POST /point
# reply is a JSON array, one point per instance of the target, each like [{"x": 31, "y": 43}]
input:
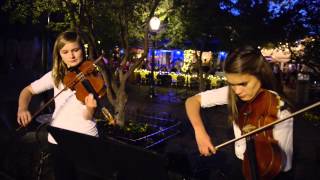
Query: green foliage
[
  {"x": 18, "y": 10},
  {"x": 312, "y": 51},
  {"x": 199, "y": 22},
  {"x": 203, "y": 22},
  {"x": 304, "y": 18},
  {"x": 131, "y": 130},
  {"x": 117, "y": 22},
  {"x": 309, "y": 55},
  {"x": 106, "y": 17},
  {"x": 136, "y": 127}
]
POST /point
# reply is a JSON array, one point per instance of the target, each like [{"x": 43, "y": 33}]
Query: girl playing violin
[
  {"x": 247, "y": 73},
  {"x": 69, "y": 112}
]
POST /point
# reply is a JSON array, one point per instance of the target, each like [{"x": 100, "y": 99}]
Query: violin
[
  {"x": 85, "y": 79},
  {"x": 76, "y": 79},
  {"x": 263, "y": 157},
  {"x": 264, "y": 128}
]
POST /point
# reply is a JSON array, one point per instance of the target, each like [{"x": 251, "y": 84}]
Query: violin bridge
[
  {"x": 279, "y": 102},
  {"x": 248, "y": 128}
]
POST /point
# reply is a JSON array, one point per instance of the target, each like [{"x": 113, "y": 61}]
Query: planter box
[{"x": 145, "y": 131}]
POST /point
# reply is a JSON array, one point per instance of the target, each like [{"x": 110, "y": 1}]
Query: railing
[
  {"x": 155, "y": 138},
  {"x": 157, "y": 128}
]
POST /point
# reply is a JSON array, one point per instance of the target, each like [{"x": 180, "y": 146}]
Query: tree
[
  {"x": 304, "y": 27},
  {"x": 224, "y": 25},
  {"x": 199, "y": 25},
  {"x": 115, "y": 22},
  {"x": 311, "y": 55},
  {"x": 234, "y": 23},
  {"x": 301, "y": 22},
  {"x": 132, "y": 18},
  {"x": 263, "y": 23},
  {"x": 308, "y": 55}
]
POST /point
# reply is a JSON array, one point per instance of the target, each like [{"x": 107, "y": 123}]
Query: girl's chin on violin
[
  {"x": 73, "y": 63},
  {"x": 245, "y": 97}
]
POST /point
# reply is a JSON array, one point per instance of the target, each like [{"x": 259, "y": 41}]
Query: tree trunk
[
  {"x": 121, "y": 101},
  {"x": 120, "y": 107},
  {"x": 202, "y": 82}
]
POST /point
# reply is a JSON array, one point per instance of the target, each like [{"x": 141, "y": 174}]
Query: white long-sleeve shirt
[
  {"x": 68, "y": 113},
  {"x": 282, "y": 132}
]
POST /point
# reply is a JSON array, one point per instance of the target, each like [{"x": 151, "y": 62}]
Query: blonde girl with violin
[
  {"x": 247, "y": 73},
  {"x": 69, "y": 113}
]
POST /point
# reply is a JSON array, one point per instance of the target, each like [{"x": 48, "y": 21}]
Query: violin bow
[
  {"x": 42, "y": 107},
  {"x": 268, "y": 125}
]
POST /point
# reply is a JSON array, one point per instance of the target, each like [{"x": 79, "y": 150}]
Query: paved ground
[{"x": 20, "y": 157}]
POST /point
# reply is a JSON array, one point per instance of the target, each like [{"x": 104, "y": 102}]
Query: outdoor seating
[
  {"x": 165, "y": 80},
  {"x": 194, "y": 83},
  {"x": 180, "y": 81}
]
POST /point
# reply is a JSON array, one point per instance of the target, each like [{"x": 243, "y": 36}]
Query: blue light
[
  {"x": 173, "y": 55},
  {"x": 222, "y": 55},
  {"x": 235, "y": 12}
]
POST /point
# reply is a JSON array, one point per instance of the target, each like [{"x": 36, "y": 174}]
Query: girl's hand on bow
[
  {"x": 205, "y": 146},
  {"x": 23, "y": 117}
]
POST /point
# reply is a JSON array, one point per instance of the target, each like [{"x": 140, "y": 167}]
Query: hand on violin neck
[
  {"x": 91, "y": 105},
  {"x": 248, "y": 128}
]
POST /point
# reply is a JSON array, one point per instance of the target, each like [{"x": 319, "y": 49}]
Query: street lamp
[{"x": 154, "y": 27}]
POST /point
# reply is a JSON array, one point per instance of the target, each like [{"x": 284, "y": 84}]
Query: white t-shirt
[
  {"x": 282, "y": 132},
  {"x": 68, "y": 113}
]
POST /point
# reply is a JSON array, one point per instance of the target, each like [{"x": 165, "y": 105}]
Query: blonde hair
[{"x": 59, "y": 68}]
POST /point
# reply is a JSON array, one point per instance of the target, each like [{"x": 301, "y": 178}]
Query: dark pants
[{"x": 236, "y": 172}]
